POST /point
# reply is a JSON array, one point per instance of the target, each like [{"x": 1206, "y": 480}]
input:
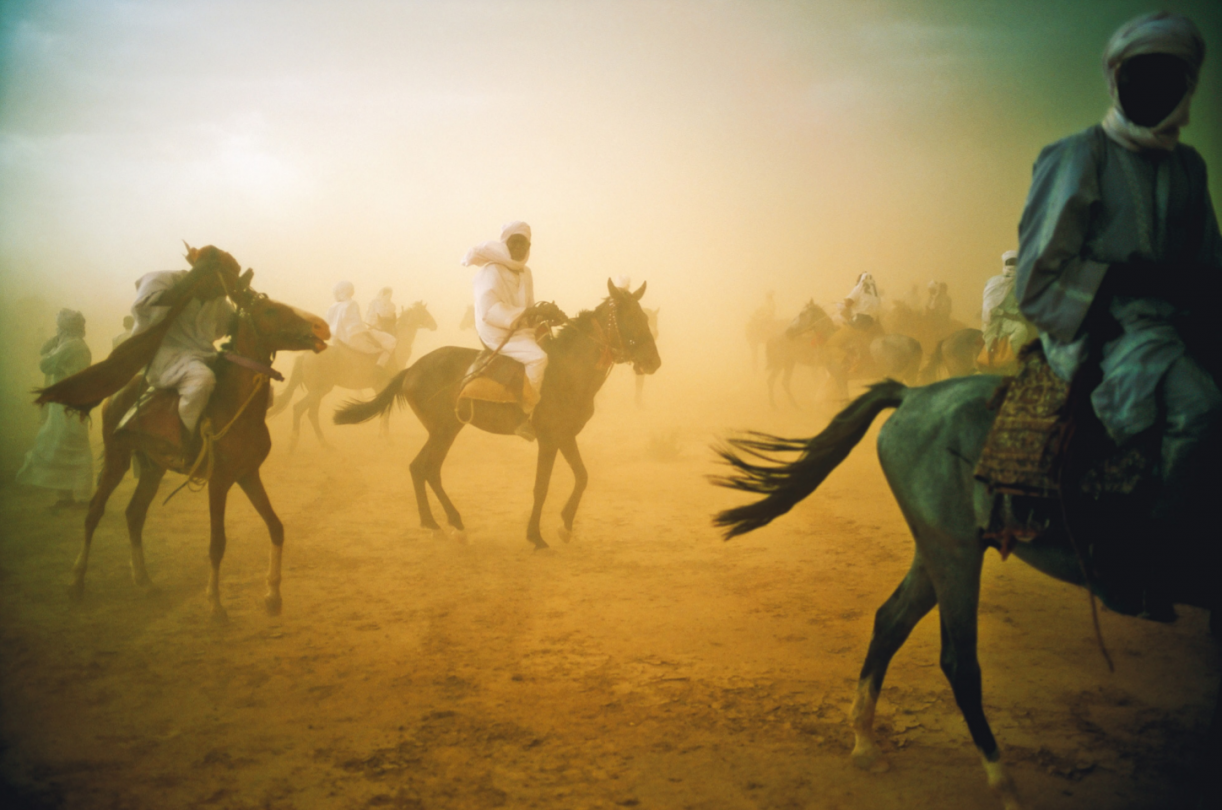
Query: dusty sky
[{"x": 715, "y": 149}]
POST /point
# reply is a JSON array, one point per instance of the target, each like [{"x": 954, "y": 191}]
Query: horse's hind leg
[
  {"x": 114, "y": 467},
  {"x": 958, "y": 601},
  {"x": 572, "y": 455},
  {"x": 314, "y": 404},
  {"x": 137, "y": 510},
  {"x": 252, "y": 485},
  {"x": 425, "y": 469},
  {"x": 893, "y": 622}
]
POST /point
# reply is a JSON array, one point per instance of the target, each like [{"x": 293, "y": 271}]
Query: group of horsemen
[{"x": 1118, "y": 228}]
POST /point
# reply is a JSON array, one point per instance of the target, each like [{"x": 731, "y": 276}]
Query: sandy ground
[{"x": 645, "y": 664}]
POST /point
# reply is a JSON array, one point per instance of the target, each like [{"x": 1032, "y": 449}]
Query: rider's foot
[{"x": 526, "y": 429}]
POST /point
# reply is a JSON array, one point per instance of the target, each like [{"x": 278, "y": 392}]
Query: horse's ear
[
  {"x": 246, "y": 278},
  {"x": 192, "y": 253},
  {"x": 615, "y": 292},
  {"x": 640, "y": 292}
]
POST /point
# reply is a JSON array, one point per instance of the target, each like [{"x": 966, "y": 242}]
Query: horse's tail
[
  {"x": 353, "y": 412},
  {"x": 929, "y": 374},
  {"x": 296, "y": 378},
  {"x": 786, "y": 484}
]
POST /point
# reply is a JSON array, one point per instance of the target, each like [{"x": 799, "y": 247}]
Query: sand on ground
[{"x": 645, "y": 664}]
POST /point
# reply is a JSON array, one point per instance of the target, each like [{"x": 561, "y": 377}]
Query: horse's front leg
[
  {"x": 252, "y": 485},
  {"x": 543, "y": 477},
  {"x": 580, "y": 478},
  {"x": 218, "y": 492},
  {"x": 137, "y": 510},
  {"x": 114, "y": 467}
]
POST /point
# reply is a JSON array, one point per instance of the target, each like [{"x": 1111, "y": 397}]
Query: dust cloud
[{"x": 717, "y": 151}]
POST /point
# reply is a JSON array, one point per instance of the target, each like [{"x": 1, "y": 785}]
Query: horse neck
[
  {"x": 236, "y": 384},
  {"x": 577, "y": 356}
]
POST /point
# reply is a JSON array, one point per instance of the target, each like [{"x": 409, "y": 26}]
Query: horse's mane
[{"x": 569, "y": 332}]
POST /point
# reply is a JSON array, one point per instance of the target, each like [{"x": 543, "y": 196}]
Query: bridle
[{"x": 615, "y": 348}]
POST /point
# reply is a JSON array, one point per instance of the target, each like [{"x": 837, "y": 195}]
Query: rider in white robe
[
  {"x": 504, "y": 289},
  {"x": 999, "y": 314},
  {"x": 61, "y": 458},
  {"x": 182, "y": 361},
  {"x": 380, "y": 314},
  {"x": 347, "y": 327}
]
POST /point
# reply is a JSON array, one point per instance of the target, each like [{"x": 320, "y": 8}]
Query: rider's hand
[{"x": 544, "y": 312}]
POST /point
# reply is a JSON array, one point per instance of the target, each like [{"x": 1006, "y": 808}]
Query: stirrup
[{"x": 526, "y": 429}]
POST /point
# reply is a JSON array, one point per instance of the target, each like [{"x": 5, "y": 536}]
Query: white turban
[
  {"x": 497, "y": 252},
  {"x": 343, "y": 291},
  {"x": 1009, "y": 259},
  {"x": 517, "y": 227},
  {"x": 623, "y": 282},
  {"x": 1160, "y": 32}
]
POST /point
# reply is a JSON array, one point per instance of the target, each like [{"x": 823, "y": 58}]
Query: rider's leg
[{"x": 194, "y": 389}]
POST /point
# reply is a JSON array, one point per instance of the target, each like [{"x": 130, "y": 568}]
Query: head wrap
[
  {"x": 498, "y": 252},
  {"x": 386, "y": 292},
  {"x": 1160, "y": 32},
  {"x": 70, "y": 322},
  {"x": 516, "y": 227},
  {"x": 1009, "y": 261},
  {"x": 343, "y": 291},
  {"x": 623, "y": 282}
]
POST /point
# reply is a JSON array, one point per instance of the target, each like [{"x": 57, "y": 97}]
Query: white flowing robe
[
  {"x": 501, "y": 295},
  {"x": 182, "y": 361},
  {"x": 61, "y": 458},
  {"x": 347, "y": 327}
]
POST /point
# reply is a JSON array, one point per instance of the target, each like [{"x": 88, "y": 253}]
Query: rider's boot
[{"x": 526, "y": 429}]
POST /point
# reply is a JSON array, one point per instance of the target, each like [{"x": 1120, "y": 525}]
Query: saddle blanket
[{"x": 500, "y": 379}]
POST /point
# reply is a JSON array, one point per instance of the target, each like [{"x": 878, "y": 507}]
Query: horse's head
[
  {"x": 811, "y": 317},
  {"x": 417, "y": 316},
  {"x": 635, "y": 337},
  {"x": 278, "y": 327}
]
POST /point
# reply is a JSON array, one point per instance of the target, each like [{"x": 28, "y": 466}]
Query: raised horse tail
[
  {"x": 296, "y": 378},
  {"x": 784, "y": 485},
  {"x": 353, "y": 412},
  {"x": 929, "y": 374}
]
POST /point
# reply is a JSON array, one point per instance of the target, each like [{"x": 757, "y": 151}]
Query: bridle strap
[{"x": 253, "y": 365}]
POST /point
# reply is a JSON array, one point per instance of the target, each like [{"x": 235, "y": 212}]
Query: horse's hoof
[
  {"x": 458, "y": 535},
  {"x": 564, "y": 534},
  {"x": 220, "y": 617},
  {"x": 870, "y": 759},
  {"x": 76, "y": 591},
  {"x": 438, "y": 533},
  {"x": 539, "y": 543},
  {"x": 273, "y": 604}
]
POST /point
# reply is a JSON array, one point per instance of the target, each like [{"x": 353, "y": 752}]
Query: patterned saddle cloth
[
  {"x": 500, "y": 379},
  {"x": 154, "y": 418},
  {"x": 1046, "y": 444}
]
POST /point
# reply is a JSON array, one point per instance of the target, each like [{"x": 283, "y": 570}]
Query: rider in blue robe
[{"x": 1117, "y": 235}]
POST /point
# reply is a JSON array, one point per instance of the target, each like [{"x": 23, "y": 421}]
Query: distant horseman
[{"x": 347, "y": 327}]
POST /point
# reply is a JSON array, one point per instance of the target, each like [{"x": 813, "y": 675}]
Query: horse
[
  {"x": 580, "y": 357},
  {"x": 345, "y": 367},
  {"x": 238, "y": 408},
  {"x": 886, "y": 354},
  {"x": 927, "y": 328},
  {"x": 928, "y": 450},
  {"x": 956, "y": 354}
]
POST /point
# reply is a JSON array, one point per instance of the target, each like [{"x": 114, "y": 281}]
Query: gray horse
[
  {"x": 928, "y": 450},
  {"x": 344, "y": 367}
]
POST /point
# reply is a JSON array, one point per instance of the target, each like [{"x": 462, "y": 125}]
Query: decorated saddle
[
  {"x": 492, "y": 378},
  {"x": 1047, "y": 456},
  {"x": 153, "y": 417}
]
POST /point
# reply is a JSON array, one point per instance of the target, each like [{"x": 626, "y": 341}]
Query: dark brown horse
[
  {"x": 236, "y": 415},
  {"x": 579, "y": 359}
]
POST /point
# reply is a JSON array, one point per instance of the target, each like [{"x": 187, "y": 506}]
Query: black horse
[{"x": 579, "y": 359}]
